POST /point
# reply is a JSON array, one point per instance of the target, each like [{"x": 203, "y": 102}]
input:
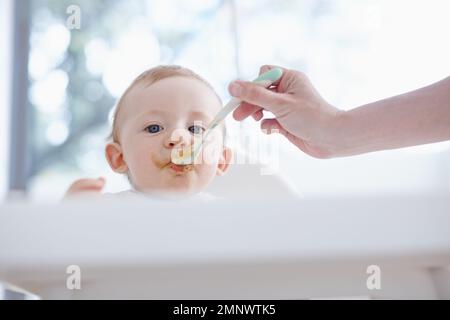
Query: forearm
[{"x": 417, "y": 117}]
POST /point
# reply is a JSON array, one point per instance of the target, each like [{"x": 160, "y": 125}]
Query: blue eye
[
  {"x": 154, "y": 128},
  {"x": 196, "y": 129}
]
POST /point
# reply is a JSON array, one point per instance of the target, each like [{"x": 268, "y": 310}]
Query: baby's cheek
[
  {"x": 211, "y": 153},
  {"x": 206, "y": 173},
  {"x": 141, "y": 164}
]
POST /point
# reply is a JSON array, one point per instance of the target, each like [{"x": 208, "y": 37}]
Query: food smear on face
[
  {"x": 185, "y": 156},
  {"x": 182, "y": 156},
  {"x": 179, "y": 169}
]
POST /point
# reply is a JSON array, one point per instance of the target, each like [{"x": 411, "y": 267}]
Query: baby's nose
[
  {"x": 173, "y": 144},
  {"x": 178, "y": 138}
]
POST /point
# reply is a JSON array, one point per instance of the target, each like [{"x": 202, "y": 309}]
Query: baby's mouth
[{"x": 180, "y": 168}]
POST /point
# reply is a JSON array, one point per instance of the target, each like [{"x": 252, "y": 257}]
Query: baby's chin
[
  {"x": 177, "y": 181},
  {"x": 170, "y": 192},
  {"x": 176, "y": 186}
]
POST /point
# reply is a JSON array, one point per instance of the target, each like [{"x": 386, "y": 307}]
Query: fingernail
[{"x": 235, "y": 89}]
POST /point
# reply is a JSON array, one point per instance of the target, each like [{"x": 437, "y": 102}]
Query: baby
[{"x": 164, "y": 108}]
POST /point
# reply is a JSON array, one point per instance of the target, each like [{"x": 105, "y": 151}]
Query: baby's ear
[
  {"x": 225, "y": 161},
  {"x": 114, "y": 155}
]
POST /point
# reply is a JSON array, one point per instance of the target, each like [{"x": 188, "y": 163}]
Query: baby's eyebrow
[
  {"x": 198, "y": 115},
  {"x": 193, "y": 115},
  {"x": 154, "y": 112}
]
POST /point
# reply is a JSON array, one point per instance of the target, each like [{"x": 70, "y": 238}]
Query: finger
[
  {"x": 245, "y": 110},
  {"x": 74, "y": 192},
  {"x": 272, "y": 88},
  {"x": 264, "y": 68},
  {"x": 88, "y": 188},
  {"x": 88, "y": 183},
  {"x": 256, "y": 95},
  {"x": 269, "y": 126},
  {"x": 85, "y": 188},
  {"x": 96, "y": 183},
  {"x": 268, "y": 67},
  {"x": 258, "y": 115}
]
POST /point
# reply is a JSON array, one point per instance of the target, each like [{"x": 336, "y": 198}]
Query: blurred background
[{"x": 58, "y": 85}]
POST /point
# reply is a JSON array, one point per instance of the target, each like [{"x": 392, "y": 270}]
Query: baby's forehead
[{"x": 172, "y": 96}]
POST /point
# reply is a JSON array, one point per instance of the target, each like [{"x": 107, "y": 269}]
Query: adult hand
[
  {"x": 323, "y": 131},
  {"x": 301, "y": 114}
]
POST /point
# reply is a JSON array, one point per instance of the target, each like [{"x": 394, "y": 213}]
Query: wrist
[{"x": 335, "y": 143}]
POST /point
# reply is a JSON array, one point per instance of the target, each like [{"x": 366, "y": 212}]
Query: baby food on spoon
[{"x": 186, "y": 156}]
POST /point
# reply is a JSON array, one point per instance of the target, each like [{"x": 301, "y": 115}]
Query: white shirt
[{"x": 201, "y": 196}]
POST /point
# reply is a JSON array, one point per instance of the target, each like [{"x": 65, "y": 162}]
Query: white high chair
[{"x": 252, "y": 180}]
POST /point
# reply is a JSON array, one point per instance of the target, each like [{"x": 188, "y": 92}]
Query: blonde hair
[{"x": 149, "y": 77}]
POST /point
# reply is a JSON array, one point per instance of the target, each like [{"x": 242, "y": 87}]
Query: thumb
[
  {"x": 100, "y": 182},
  {"x": 257, "y": 95}
]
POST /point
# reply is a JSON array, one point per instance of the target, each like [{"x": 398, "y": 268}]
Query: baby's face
[{"x": 157, "y": 118}]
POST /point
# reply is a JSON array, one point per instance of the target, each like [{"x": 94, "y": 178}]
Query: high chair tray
[{"x": 258, "y": 249}]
